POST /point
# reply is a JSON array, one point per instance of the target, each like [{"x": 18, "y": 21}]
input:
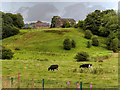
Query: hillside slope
[{"x": 48, "y": 44}]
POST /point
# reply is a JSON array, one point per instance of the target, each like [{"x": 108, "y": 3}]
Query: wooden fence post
[
  {"x": 32, "y": 82},
  {"x": 43, "y": 84},
  {"x": 18, "y": 80},
  {"x": 81, "y": 85},
  {"x": 11, "y": 82}
]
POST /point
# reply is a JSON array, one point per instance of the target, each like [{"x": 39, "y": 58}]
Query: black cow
[
  {"x": 85, "y": 65},
  {"x": 52, "y": 67}
]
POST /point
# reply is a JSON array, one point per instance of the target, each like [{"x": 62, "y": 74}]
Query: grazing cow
[
  {"x": 52, "y": 67},
  {"x": 86, "y": 66}
]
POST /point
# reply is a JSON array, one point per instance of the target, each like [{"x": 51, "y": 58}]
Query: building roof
[{"x": 66, "y": 19}]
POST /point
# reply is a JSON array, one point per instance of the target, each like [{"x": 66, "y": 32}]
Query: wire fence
[{"x": 11, "y": 82}]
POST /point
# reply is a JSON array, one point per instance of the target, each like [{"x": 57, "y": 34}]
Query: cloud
[
  {"x": 43, "y": 12},
  {"x": 79, "y": 11}
]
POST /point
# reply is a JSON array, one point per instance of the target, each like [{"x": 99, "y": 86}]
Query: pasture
[{"x": 38, "y": 49}]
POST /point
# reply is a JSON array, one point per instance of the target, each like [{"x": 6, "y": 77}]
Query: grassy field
[{"x": 42, "y": 47}]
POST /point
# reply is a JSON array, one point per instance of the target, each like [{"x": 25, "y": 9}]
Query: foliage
[
  {"x": 80, "y": 23},
  {"x": 88, "y": 34},
  {"x": 93, "y": 22},
  {"x": 115, "y": 45},
  {"x": 67, "y": 44},
  {"x": 67, "y": 25},
  {"x": 73, "y": 43},
  {"x": 82, "y": 56},
  {"x": 7, "y": 53},
  {"x": 111, "y": 41},
  {"x": 72, "y": 24},
  {"x": 101, "y": 23},
  {"x": 95, "y": 41},
  {"x": 75, "y": 25},
  {"x": 11, "y": 23},
  {"x": 9, "y": 31},
  {"x": 88, "y": 44},
  {"x": 53, "y": 21},
  {"x": 64, "y": 24}
]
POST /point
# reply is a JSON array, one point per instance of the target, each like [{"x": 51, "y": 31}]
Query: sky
[{"x": 44, "y": 11}]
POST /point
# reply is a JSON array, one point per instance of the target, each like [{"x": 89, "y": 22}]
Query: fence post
[
  {"x": 81, "y": 85},
  {"x": 43, "y": 84},
  {"x": 91, "y": 86},
  {"x": 32, "y": 82},
  {"x": 78, "y": 86},
  {"x": 11, "y": 82},
  {"x": 68, "y": 84}
]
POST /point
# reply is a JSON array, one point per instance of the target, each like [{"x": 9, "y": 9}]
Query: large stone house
[
  {"x": 40, "y": 24},
  {"x": 60, "y": 21}
]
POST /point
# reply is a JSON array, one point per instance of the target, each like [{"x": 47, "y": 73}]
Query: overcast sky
[{"x": 44, "y": 11}]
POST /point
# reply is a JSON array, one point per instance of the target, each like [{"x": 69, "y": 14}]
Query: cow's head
[{"x": 48, "y": 69}]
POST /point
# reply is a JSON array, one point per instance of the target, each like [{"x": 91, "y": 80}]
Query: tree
[
  {"x": 95, "y": 41},
  {"x": 80, "y": 23},
  {"x": 17, "y": 19},
  {"x": 53, "y": 21},
  {"x": 93, "y": 22},
  {"x": 115, "y": 45},
  {"x": 88, "y": 44},
  {"x": 7, "y": 53},
  {"x": 88, "y": 34},
  {"x": 82, "y": 56},
  {"x": 73, "y": 44},
  {"x": 67, "y": 44},
  {"x": 9, "y": 31},
  {"x": 75, "y": 25},
  {"x": 72, "y": 24},
  {"x": 67, "y": 25},
  {"x": 64, "y": 24}
]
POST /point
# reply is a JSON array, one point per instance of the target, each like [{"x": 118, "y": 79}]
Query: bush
[
  {"x": 88, "y": 44},
  {"x": 9, "y": 31},
  {"x": 73, "y": 44},
  {"x": 75, "y": 25},
  {"x": 67, "y": 44},
  {"x": 82, "y": 56},
  {"x": 64, "y": 24},
  {"x": 88, "y": 34},
  {"x": 115, "y": 45},
  {"x": 7, "y": 53},
  {"x": 80, "y": 23},
  {"x": 95, "y": 41},
  {"x": 67, "y": 25}
]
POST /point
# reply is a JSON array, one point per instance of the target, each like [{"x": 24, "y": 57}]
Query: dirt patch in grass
[
  {"x": 56, "y": 31},
  {"x": 51, "y": 54}
]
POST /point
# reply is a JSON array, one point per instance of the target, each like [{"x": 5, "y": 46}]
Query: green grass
[{"x": 36, "y": 45}]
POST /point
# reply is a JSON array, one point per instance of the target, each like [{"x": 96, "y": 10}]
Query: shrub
[
  {"x": 73, "y": 44},
  {"x": 7, "y": 53},
  {"x": 115, "y": 45},
  {"x": 82, "y": 56},
  {"x": 80, "y": 23},
  {"x": 17, "y": 48},
  {"x": 64, "y": 24},
  {"x": 95, "y": 41},
  {"x": 75, "y": 25},
  {"x": 67, "y": 44},
  {"x": 88, "y": 34},
  {"x": 75, "y": 70},
  {"x": 88, "y": 44},
  {"x": 67, "y": 25}
]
